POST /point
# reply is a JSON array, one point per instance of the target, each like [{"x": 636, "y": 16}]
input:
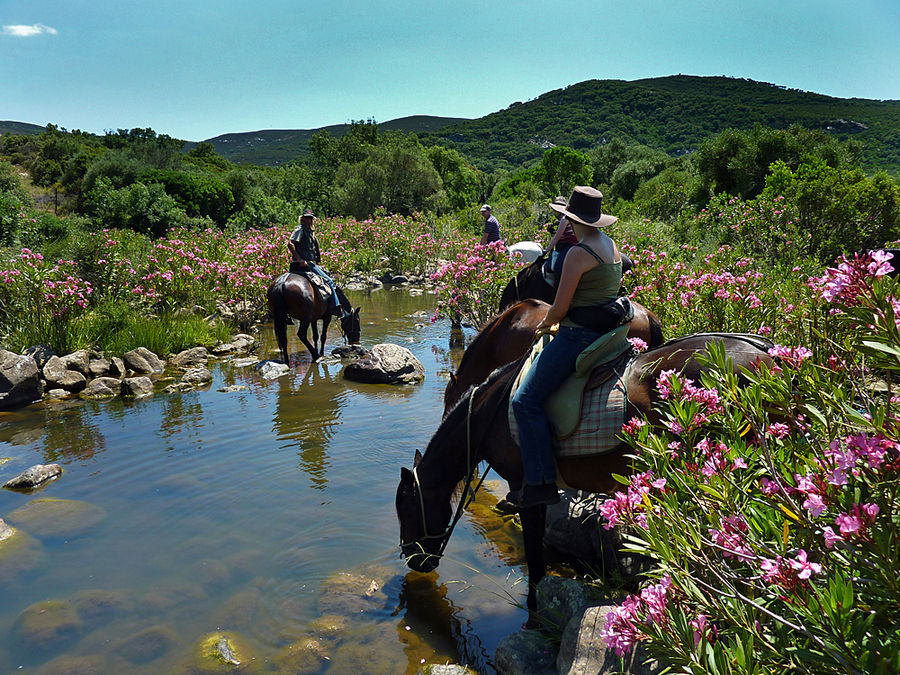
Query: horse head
[
  {"x": 350, "y": 325},
  {"x": 528, "y": 283},
  {"x": 423, "y": 520}
]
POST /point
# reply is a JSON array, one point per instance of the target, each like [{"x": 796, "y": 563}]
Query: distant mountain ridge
[
  {"x": 674, "y": 113},
  {"x": 22, "y": 128},
  {"x": 271, "y": 147}
]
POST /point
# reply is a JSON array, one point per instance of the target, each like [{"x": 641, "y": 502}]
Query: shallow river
[{"x": 266, "y": 515}]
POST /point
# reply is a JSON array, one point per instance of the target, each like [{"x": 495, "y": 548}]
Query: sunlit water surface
[{"x": 265, "y": 513}]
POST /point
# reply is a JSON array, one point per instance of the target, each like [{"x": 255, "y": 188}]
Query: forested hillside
[
  {"x": 274, "y": 147},
  {"x": 674, "y": 114}
]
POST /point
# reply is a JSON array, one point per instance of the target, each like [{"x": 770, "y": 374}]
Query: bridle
[{"x": 468, "y": 495}]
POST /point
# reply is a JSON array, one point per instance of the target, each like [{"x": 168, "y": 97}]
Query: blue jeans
[
  {"x": 551, "y": 368},
  {"x": 318, "y": 270}
]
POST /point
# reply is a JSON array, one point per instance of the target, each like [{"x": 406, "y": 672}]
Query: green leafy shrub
[{"x": 770, "y": 505}]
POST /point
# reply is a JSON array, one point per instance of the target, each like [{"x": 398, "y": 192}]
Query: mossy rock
[
  {"x": 355, "y": 592},
  {"x": 244, "y": 610},
  {"x": 303, "y": 657},
  {"x": 19, "y": 553},
  {"x": 96, "y": 606},
  {"x": 379, "y": 649},
  {"x": 211, "y": 573},
  {"x": 329, "y": 626},
  {"x": 223, "y": 653},
  {"x": 57, "y": 518},
  {"x": 171, "y": 595},
  {"x": 94, "y": 664},
  {"x": 148, "y": 644},
  {"x": 47, "y": 626}
]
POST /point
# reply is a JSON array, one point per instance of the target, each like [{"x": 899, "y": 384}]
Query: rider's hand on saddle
[{"x": 544, "y": 330}]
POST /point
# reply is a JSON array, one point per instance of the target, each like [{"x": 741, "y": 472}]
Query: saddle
[
  {"x": 320, "y": 286},
  {"x": 587, "y": 411}
]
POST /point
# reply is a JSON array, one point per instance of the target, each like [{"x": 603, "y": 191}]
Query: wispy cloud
[{"x": 28, "y": 31}]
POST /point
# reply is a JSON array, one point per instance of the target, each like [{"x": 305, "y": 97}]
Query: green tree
[
  {"x": 462, "y": 182},
  {"x": 561, "y": 169}
]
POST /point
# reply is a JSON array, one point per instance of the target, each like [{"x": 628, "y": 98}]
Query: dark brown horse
[
  {"x": 516, "y": 325},
  {"x": 477, "y": 429},
  {"x": 293, "y": 295}
]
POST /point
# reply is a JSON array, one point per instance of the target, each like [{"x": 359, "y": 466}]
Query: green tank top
[{"x": 598, "y": 286}]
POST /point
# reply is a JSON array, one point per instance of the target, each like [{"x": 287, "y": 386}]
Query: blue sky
[{"x": 196, "y": 68}]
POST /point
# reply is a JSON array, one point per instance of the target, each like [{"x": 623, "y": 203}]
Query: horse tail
[{"x": 278, "y": 310}]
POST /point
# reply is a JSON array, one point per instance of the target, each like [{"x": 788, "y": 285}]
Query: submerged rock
[
  {"x": 355, "y": 592},
  {"x": 57, "y": 518},
  {"x": 270, "y": 370},
  {"x": 20, "y": 380},
  {"x": 97, "y": 606},
  {"x": 34, "y": 476},
  {"x": 19, "y": 553},
  {"x": 527, "y": 652},
  {"x": 303, "y": 656},
  {"x": 47, "y": 626},
  {"x": 147, "y": 645},
  {"x": 386, "y": 364},
  {"x": 95, "y": 664}
]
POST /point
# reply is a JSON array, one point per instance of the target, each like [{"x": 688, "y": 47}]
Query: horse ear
[
  {"x": 453, "y": 379},
  {"x": 417, "y": 459},
  {"x": 356, "y": 312},
  {"x": 405, "y": 475}
]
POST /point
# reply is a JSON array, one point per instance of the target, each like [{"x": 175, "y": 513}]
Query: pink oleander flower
[
  {"x": 779, "y": 430},
  {"x": 638, "y": 344},
  {"x": 792, "y": 356},
  {"x": 633, "y": 425},
  {"x": 804, "y": 568},
  {"x": 831, "y": 537}
]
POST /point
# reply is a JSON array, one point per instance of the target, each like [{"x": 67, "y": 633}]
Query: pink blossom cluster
[
  {"x": 851, "y": 278},
  {"x": 622, "y": 629},
  {"x": 789, "y": 574},
  {"x": 730, "y": 537},
  {"x": 670, "y": 385},
  {"x": 791, "y": 356},
  {"x": 629, "y": 506}
]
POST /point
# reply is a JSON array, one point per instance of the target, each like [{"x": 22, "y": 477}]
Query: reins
[{"x": 468, "y": 495}]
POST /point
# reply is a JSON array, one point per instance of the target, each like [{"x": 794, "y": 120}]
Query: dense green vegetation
[{"x": 673, "y": 114}]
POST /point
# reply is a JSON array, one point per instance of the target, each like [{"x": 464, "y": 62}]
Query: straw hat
[{"x": 584, "y": 206}]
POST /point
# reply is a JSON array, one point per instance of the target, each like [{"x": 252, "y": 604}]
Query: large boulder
[
  {"x": 559, "y": 599},
  {"x": 40, "y": 354},
  {"x": 59, "y": 376},
  {"x": 197, "y": 377},
  {"x": 116, "y": 367},
  {"x": 575, "y": 530},
  {"x": 99, "y": 367},
  {"x": 143, "y": 361},
  {"x": 583, "y": 651},
  {"x": 20, "y": 380},
  {"x": 137, "y": 387},
  {"x": 34, "y": 476},
  {"x": 79, "y": 361},
  {"x": 190, "y": 358},
  {"x": 102, "y": 387},
  {"x": 386, "y": 364}
]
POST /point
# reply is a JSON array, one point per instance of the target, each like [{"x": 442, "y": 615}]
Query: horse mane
[
  {"x": 457, "y": 414},
  {"x": 345, "y": 303}
]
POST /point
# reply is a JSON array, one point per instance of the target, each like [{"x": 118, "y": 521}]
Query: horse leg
[
  {"x": 315, "y": 339},
  {"x": 534, "y": 519},
  {"x": 325, "y": 321},
  {"x": 301, "y": 333}
]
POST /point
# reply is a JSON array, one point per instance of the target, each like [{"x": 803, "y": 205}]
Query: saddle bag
[{"x": 603, "y": 318}]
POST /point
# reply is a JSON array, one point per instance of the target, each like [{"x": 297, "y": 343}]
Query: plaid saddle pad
[{"x": 603, "y": 400}]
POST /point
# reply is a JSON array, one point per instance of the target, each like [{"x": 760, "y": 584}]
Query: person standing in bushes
[
  {"x": 590, "y": 281},
  {"x": 491, "y": 226},
  {"x": 303, "y": 245}
]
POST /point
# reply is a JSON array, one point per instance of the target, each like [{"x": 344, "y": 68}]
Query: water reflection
[
  {"x": 428, "y": 611},
  {"x": 308, "y": 410},
  {"x": 63, "y": 428}
]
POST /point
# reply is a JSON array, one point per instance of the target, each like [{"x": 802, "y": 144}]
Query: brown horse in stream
[
  {"x": 476, "y": 429},
  {"x": 293, "y": 295}
]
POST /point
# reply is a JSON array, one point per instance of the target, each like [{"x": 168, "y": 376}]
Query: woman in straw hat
[{"x": 591, "y": 276}]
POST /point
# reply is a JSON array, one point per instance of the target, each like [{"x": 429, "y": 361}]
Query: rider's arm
[{"x": 560, "y": 227}]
